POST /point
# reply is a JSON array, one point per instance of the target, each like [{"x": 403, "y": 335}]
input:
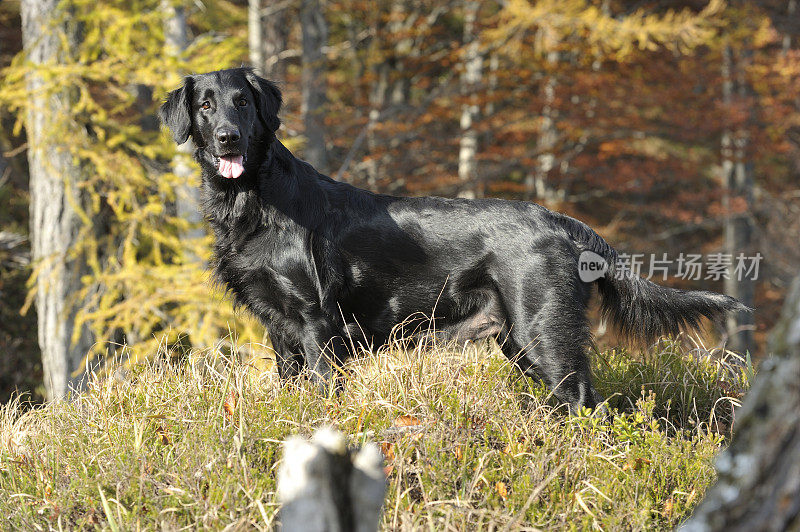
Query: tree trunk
[
  {"x": 399, "y": 20},
  {"x": 315, "y": 36},
  {"x": 492, "y": 82},
  {"x": 187, "y": 203},
  {"x": 267, "y": 31},
  {"x": 275, "y": 28},
  {"x": 791, "y": 13},
  {"x": 737, "y": 181},
  {"x": 758, "y": 485},
  {"x": 4, "y": 168},
  {"x": 473, "y": 62},
  {"x": 54, "y": 225},
  {"x": 255, "y": 37},
  {"x": 538, "y": 183},
  {"x": 547, "y": 138},
  {"x": 379, "y": 90}
]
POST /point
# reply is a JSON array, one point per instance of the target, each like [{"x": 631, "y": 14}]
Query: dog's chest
[{"x": 264, "y": 266}]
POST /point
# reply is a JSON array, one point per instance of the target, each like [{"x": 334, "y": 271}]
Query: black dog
[{"x": 321, "y": 262}]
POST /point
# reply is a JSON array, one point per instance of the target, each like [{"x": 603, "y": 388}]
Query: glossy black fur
[{"x": 325, "y": 265}]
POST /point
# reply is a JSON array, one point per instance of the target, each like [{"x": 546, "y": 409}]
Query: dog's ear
[
  {"x": 268, "y": 100},
  {"x": 176, "y": 112}
]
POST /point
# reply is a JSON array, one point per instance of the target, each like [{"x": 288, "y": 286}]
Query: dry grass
[{"x": 469, "y": 443}]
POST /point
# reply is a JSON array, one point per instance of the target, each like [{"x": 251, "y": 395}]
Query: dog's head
[{"x": 226, "y": 113}]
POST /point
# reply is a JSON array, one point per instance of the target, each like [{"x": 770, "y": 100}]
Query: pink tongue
[{"x": 231, "y": 166}]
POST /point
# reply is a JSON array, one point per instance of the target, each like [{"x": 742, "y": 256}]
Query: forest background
[{"x": 670, "y": 127}]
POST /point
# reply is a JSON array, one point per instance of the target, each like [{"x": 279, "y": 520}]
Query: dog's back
[{"x": 319, "y": 261}]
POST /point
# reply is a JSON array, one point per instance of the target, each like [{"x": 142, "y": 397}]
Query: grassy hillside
[{"x": 469, "y": 443}]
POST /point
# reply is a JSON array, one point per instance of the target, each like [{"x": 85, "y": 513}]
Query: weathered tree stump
[
  {"x": 759, "y": 474},
  {"x": 324, "y": 487}
]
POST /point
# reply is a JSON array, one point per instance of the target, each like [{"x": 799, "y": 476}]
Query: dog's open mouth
[{"x": 230, "y": 166}]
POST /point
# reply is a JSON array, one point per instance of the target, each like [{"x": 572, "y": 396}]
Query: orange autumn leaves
[
  {"x": 387, "y": 447},
  {"x": 229, "y": 405},
  {"x": 406, "y": 421}
]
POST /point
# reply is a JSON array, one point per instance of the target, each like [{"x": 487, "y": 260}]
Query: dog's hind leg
[
  {"x": 551, "y": 343},
  {"x": 558, "y": 342},
  {"x": 545, "y": 303}
]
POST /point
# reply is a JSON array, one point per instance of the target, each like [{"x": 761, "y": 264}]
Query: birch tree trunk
[
  {"x": 255, "y": 37},
  {"x": 383, "y": 91},
  {"x": 400, "y": 20},
  {"x": 187, "y": 203},
  {"x": 538, "y": 183},
  {"x": 547, "y": 137},
  {"x": 737, "y": 182},
  {"x": 791, "y": 13},
  {"x": 315, "y": 36},
  {"x": 275, "y": 33},
  {"x": 468, "y": 145},
  {"x": 3, "y": 163},
  {"x": 54, "y": 224},
  {"x": 267, "y": 31}
]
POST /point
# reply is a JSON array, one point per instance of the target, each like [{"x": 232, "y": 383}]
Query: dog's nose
[{"x": 227, "y": 136}]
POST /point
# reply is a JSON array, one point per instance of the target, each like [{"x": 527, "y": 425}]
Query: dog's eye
[
  {"x": 242, "y": 102},
  {"x": 205, "y": 106}
]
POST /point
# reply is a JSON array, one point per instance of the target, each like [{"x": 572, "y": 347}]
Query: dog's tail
[{"x": 638, "y": 308}]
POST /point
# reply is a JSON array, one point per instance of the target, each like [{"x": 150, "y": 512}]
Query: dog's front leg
[
  {"x": 324, "y": 350},
  {"x": 288, "y": 357}
]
